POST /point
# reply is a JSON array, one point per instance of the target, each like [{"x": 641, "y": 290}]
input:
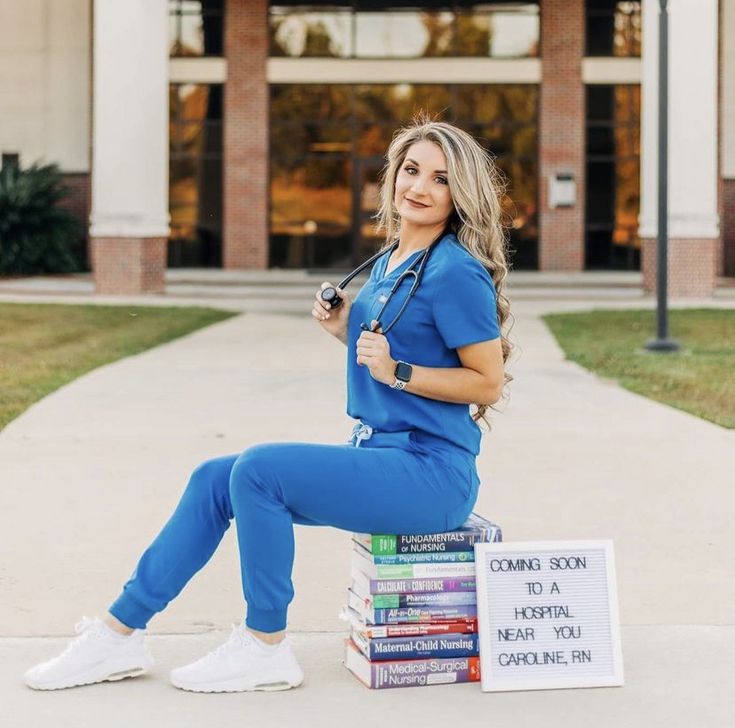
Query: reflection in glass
[
  {"x": 196, "y": 28},
  {"x": 317, "y": 34},
  {"x": 325, "y": 169},
  {"x": 510, "y": 32},
  {"x": 614, "y": 28},
  {"x": 389, "y": 30},
  {"x": 311, "y": 212},
  {"x": 613, "y": 177},
  {"x": 195, "y": 174},
  {"x": 403, "y": 34},
  {"x": 511, "y": 103}
]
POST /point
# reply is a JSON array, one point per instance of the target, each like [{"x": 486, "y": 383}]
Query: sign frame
[{"x": 484, "y": 551}]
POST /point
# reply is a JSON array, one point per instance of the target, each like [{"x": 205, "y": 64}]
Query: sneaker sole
[
  {"x": 87, "y": 680},
  {"x": 233, "y": 686}
]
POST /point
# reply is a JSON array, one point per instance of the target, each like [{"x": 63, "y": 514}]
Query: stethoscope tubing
[{"x": 415, "y": 270}]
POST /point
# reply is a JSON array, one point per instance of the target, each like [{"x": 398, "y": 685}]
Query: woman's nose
[{"x": 418, "y": 184}]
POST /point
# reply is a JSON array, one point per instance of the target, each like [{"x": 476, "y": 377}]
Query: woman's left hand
[{"x": 373, "y": 350}]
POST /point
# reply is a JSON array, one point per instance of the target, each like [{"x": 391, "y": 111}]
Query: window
[
  {"x": 327, "y": 147},
  {"x": 196, "y": 28},
  {"x": 613, "y": 28},
  {"x": 613, "y": 177},
  {"x": 373, "y": 29},
  {"x": 195, "y": 174}
]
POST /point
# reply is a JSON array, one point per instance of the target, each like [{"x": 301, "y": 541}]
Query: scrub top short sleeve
[{"x": 464, "y": 305}]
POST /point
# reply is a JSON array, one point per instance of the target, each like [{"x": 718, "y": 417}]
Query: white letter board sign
[{"x": 547, "y": 615}]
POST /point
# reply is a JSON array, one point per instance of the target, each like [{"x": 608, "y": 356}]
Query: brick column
[
  {"x": 246, "y": 194},
  {"x": 562, "y": 132},
  {"x": 694, "y": 246},
  {"x": 129, "y": 220}
]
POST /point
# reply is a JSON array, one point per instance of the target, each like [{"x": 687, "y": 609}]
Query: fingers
[
  {"x": 320, "y": 311},
  {"x": 319, "y": 315},
  {"x": 371, "y": 347},
  {"x": 321, "y": 308}
]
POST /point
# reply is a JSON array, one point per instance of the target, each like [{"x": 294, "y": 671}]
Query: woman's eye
[
  {"x": 410, "y": 170},
  {"x": 441, "y": 180}
]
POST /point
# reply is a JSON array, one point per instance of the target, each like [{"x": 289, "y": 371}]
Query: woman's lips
[{"x": 415, "y": 204}]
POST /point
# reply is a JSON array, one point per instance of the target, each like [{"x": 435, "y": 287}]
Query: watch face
[{"x": 403, "y": 371}]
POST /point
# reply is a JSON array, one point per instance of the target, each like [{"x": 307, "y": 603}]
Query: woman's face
[{"x": 422, "y": 194}]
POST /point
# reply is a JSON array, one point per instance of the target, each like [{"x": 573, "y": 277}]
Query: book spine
[
  {"x": 465, "y": 626},
  {"x": 395, "y": 601},
  {"x": 420, "y": 648},
  {"x": 430, "y": 557},
  {"x": 422, "y": 614},
  {"x": 415, "y": 673},
  {"x": 425, "y": 571},
  {"x": 441, "y": 542},
  {"x": 419, "y": 586}
]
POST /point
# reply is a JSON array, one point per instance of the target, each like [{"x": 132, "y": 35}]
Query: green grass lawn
[
  {"x": 44, "y": 346},
  {"x": 699, "y": 379}
]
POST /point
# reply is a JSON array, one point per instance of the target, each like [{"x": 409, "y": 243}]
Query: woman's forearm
[{"x": 458, "y": 384}]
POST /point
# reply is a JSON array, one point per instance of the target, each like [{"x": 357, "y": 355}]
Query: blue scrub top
[{"x": 454, "y": 305}]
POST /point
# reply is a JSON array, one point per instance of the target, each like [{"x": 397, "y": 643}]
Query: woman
[{"x": 410, "y": 464}]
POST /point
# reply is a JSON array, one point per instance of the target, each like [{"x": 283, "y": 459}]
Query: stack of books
[{"x": 412, "y": 607}]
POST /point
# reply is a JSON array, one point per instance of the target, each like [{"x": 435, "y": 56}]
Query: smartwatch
[{"x": 402, "y": 374}]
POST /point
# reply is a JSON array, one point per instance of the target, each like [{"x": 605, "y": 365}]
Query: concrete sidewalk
[{"x": 90, "y": 474}]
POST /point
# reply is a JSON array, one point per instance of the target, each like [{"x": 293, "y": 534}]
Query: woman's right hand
[{"x": 333, "y": 321}]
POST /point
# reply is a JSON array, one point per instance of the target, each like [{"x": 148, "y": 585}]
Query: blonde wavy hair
[{"x": 477, "y": 188}]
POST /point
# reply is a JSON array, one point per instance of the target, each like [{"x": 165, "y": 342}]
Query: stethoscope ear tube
[
  {"x": 416, "y": 271},
  {"x": 329, "y": 295}
]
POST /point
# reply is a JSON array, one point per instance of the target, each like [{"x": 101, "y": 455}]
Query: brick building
[{"x": 248, "y": 134}]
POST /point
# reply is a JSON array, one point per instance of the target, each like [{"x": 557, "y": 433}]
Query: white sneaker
[
  {"x": 97, "y": 654},
  {"x": 241, "y": 663}
]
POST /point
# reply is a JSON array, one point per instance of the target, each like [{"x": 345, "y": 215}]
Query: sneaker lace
[
  {"x": 84, "y": 628},
  {"x": 239, "y": 637}
]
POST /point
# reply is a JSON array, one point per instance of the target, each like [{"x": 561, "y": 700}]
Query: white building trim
[
  {"x": 611, "y": 70},
  {"x": 420, "y": 70},
  {"x": 197, "y": 70}
]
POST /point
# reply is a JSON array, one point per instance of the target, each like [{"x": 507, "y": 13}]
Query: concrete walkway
[{"x": 90, "y": 473}]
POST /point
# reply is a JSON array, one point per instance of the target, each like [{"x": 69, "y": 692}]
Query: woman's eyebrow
[{"x": 436, "y": 171}]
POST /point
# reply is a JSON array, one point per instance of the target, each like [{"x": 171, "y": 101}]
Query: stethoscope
[{"x": 414, "y": 271}]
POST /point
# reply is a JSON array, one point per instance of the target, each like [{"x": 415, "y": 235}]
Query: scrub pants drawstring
[{"x": 360, "y": 432}]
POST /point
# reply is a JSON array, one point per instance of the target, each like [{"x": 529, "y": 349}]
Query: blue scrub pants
[{"x": 403, "y": 482}]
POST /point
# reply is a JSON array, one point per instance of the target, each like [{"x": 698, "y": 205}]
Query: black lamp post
[{"x": 662, "y": 342}]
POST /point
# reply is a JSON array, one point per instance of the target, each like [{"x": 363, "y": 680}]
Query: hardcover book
[
  {"x": 363, "y": 584},
  {"x": 428, "y": 557},
  {"x": 427, "y": 599},
  {"x": 459, "y": 626},
  {"x": 410, "y": 673},
  {"x": 474, "y": 530},
  {"x": 416, "y": 648},
  {"x": 451, "y": 565},
  {"x": 428, "y": 613}
]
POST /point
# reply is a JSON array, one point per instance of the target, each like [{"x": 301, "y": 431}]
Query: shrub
[{"x": 36, "y": 235}]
